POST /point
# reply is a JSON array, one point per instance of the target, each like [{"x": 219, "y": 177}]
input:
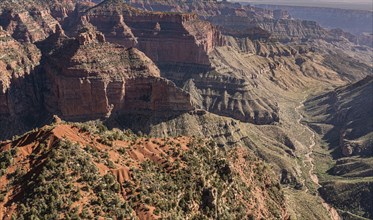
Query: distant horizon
[{"x": 365, "y": 5}]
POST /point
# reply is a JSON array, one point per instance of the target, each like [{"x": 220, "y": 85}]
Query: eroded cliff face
[
  {"x": 347, "y": 111},
  {"x": 293, "y": 30},
  {"x": 232, "y": 97},
  {"x": 191, "y": 39},
  {"x": 17, "y": 62},
  {"x": 163, "y": 37},
  {"x": 343, "y": 118},
  {"x": 230, "y": 76},
  {"x": 20, "y": 101},
  {"x": 110, "y": 21},
  {"x": 33, "y": 21},
  {"x": 97, "y": 78},
  {"x": 238, "y": 20},
  {"x": 26, "y": 23},
  {"x": 181, "y": 45}
]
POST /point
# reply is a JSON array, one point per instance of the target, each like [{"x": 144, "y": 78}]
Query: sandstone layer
[
  {"x": 91, "y": 78},
  {"x": 26, "y": 22},
  {"x": 246, "y": 20},
  {"x": 17, "y": 63},
  {"x": 163, "y": 37}
]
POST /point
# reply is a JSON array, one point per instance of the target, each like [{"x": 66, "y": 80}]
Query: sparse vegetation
[
  {"x": 200, "y": 182},
  {"x": 52, "y": 193}
]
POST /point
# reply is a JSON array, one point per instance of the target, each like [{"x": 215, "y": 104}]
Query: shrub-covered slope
[{"x": 72, "y": 171}]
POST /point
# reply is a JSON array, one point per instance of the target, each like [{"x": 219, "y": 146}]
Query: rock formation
[
  {"x": 348, "y": 110},
  {"x": 26, "y": 22},
  {"x": 163, "y": 37},
  {"x": 245, "y": 20},
  {"x": 194, "y": 60},
  {"x": 232, "y": 97},
  {"x": 91, "y": 78},
  {"x": 17, "y": 63},
  {"x": 344, "y": 119}
]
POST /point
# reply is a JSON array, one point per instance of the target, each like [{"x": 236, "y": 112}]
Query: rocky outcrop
[
  {"x": 163, "y": 37},
  {"x": 231, "y": 97},
  {"x": 348, "y": 110},
  {"x": 26, "y": 23},
  {"x": 110, "y": 21},
  {"x": 65, "y": 10},
  {"x": 17, "y": 62},
  {"x": 293, "y": 30},
  {"x": 90, "y": 78},
  {"x": 155, "y": 94},
  {"x": 238, "y": 20}
]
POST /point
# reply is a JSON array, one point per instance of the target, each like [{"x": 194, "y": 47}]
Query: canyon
[{"x": 92, "y": 73}]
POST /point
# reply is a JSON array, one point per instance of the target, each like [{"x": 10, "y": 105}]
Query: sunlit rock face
[{"x": 97, "y": 78}]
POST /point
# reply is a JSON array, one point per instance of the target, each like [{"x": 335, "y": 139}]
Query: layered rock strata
[
  {"x": 163, "y": 37},
  {"x": 27, "y": 23},
  {"x": 239, "y": 20},
  {"x": 17, "y": 63},
  {"x": 232, "y": 97},
  {"x": 348, "y": 111},
  {"x": 97, "y": 78}
]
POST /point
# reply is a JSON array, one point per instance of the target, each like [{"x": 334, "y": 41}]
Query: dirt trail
[{"x": 309, "y": 159}]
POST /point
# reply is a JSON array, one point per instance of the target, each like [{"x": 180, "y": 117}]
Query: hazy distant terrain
[
  {"x": 350, "y": 20},
  {"x": 345, "y": 4}
]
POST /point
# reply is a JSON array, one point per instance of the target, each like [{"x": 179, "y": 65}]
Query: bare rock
[
  {"x": 189, "y": 39},
  {"x": 96, "y": 79}
]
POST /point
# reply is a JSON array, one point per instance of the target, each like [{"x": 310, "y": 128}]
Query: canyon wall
[
  {"x": 92, "y": 73},
  {"x": 347, "y": 110},
  {"x": 232, "y": 97},
  {"x": 255, "y": 22},
  {"x": 17, "y": 64},
  {"x": 97, "y": 78},
  {"x": 163, "y": 37},
  {"x": 26, "y": 23}
]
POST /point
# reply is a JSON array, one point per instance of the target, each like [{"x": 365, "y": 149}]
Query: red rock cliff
[
  {"x": 17, "y": 61},
  {"x": 90, "y": 78},
  {"x": 164, "y": 37},
  {"x": 27, "y": 23}
]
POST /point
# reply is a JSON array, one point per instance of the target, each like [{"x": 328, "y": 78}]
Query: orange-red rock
[
  {"x": 163, "y": 37},
  {"x": 90, "y": 78}
]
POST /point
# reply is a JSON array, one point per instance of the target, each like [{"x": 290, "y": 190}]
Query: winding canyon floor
[
  {"x": 314, "y": 161},
  {"x": 305, "y": 199}
]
